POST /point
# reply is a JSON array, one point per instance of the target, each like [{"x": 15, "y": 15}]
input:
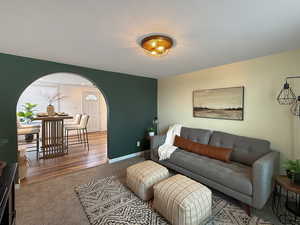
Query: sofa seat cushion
[{"x": 232, "y": 175}]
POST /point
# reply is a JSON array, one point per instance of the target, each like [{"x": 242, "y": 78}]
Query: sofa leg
[{"x": 247, "y": 209}]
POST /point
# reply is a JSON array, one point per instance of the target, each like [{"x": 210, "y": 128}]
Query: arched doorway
[{"x": 71, "y": 95}]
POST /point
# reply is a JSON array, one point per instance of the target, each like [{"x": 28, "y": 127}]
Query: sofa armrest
[
  {"x": 263, "y": 171},
  {"x": 157, "y": 141}
]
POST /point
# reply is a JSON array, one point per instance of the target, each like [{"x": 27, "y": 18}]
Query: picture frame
[{"x": 220, "y": 103}]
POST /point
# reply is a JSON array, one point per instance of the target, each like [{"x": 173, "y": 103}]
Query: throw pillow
[{"x": 222, "y": 154}]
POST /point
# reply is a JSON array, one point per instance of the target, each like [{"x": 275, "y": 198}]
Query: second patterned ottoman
[
  {"x": 142, "y": 176},
  {"x": 182, "y": 201}
]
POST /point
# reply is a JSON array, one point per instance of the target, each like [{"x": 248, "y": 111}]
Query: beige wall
[
  {"x": 73, "y": 103},
  {"x": 264, "y": 117}
]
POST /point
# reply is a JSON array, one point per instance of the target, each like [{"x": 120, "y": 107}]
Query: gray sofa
[{"x": 247, "y": 178}]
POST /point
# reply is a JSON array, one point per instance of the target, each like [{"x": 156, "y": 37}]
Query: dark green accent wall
[{"x": 131, "y": 100}]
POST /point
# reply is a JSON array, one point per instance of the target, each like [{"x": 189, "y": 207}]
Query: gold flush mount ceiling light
[{"x": 157, "y": 45}]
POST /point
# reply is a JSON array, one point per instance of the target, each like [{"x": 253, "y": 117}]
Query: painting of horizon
[{"x": 222, "y": 103}]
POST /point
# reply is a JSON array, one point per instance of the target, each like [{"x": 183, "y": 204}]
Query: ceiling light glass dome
[{"x": 157, "y": 45}]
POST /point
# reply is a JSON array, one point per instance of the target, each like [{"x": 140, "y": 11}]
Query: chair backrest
[
  {"x": 18, "y": 122},
  {"x": 84, "y": 121},
  {"x": 77, "y": 118}
]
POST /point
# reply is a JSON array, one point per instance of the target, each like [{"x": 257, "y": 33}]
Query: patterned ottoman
[
  {"x": 142, "y": 176},
  {"x": 182, "y": 201}
]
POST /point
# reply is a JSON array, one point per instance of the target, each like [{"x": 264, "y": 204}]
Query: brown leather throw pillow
[
  {"x": 189, "y": 145},
  {"x": 218, "y": 153}
]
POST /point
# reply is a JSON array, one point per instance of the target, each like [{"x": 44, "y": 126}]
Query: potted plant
[
  {"x": 151, "y": 131},
  {"x": 293, "y": 170},
  {"x": 26, "y": 116}
]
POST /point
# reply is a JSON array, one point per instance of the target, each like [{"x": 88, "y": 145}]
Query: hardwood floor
[{"x": 77, "y": 159}]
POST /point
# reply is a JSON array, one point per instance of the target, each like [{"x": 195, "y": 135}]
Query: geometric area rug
[{"x": 107, "y": 201}]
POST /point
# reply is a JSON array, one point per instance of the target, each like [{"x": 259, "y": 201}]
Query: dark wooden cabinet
[{"x": 7, "y": 195}]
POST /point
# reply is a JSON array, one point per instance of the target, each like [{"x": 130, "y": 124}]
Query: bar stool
[
  {"x": 76, "y": 120},
  {"x": 81, "y": 128}
]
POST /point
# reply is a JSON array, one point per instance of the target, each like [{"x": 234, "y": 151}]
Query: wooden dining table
[{"x": 53, "y": 141}]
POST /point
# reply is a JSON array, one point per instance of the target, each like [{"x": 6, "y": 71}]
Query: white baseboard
[{"x": 126, "y": 157}]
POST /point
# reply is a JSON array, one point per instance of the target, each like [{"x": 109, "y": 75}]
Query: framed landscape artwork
[{"x": 222, "y": 103}]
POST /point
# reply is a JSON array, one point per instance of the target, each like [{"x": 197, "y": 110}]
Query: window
[{"x": 91, "y": 98}]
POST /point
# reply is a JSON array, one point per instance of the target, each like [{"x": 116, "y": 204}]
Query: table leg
[
  {"x": 61, "y": 136},
  {"x": 37, "y": 146},
  {"x": 53, "y": 143},
  {"x": 43, "y": 138}
]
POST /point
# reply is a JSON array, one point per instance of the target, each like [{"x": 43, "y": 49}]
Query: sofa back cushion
[
  {"x": 245, "y": 150},
  {"x": 218, "y": 153},
  {"x": 196, "y": 135}
]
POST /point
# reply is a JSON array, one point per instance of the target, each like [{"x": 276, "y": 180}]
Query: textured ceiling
[
  {"x": 104, "y": 34},
  {"x": 64, "y": 78}
]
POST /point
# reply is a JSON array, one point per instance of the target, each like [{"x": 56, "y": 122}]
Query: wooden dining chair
[{"x": 81, "y": 128}]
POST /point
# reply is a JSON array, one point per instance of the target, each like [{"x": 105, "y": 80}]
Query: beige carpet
[{"x": 54, "y": 202}]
